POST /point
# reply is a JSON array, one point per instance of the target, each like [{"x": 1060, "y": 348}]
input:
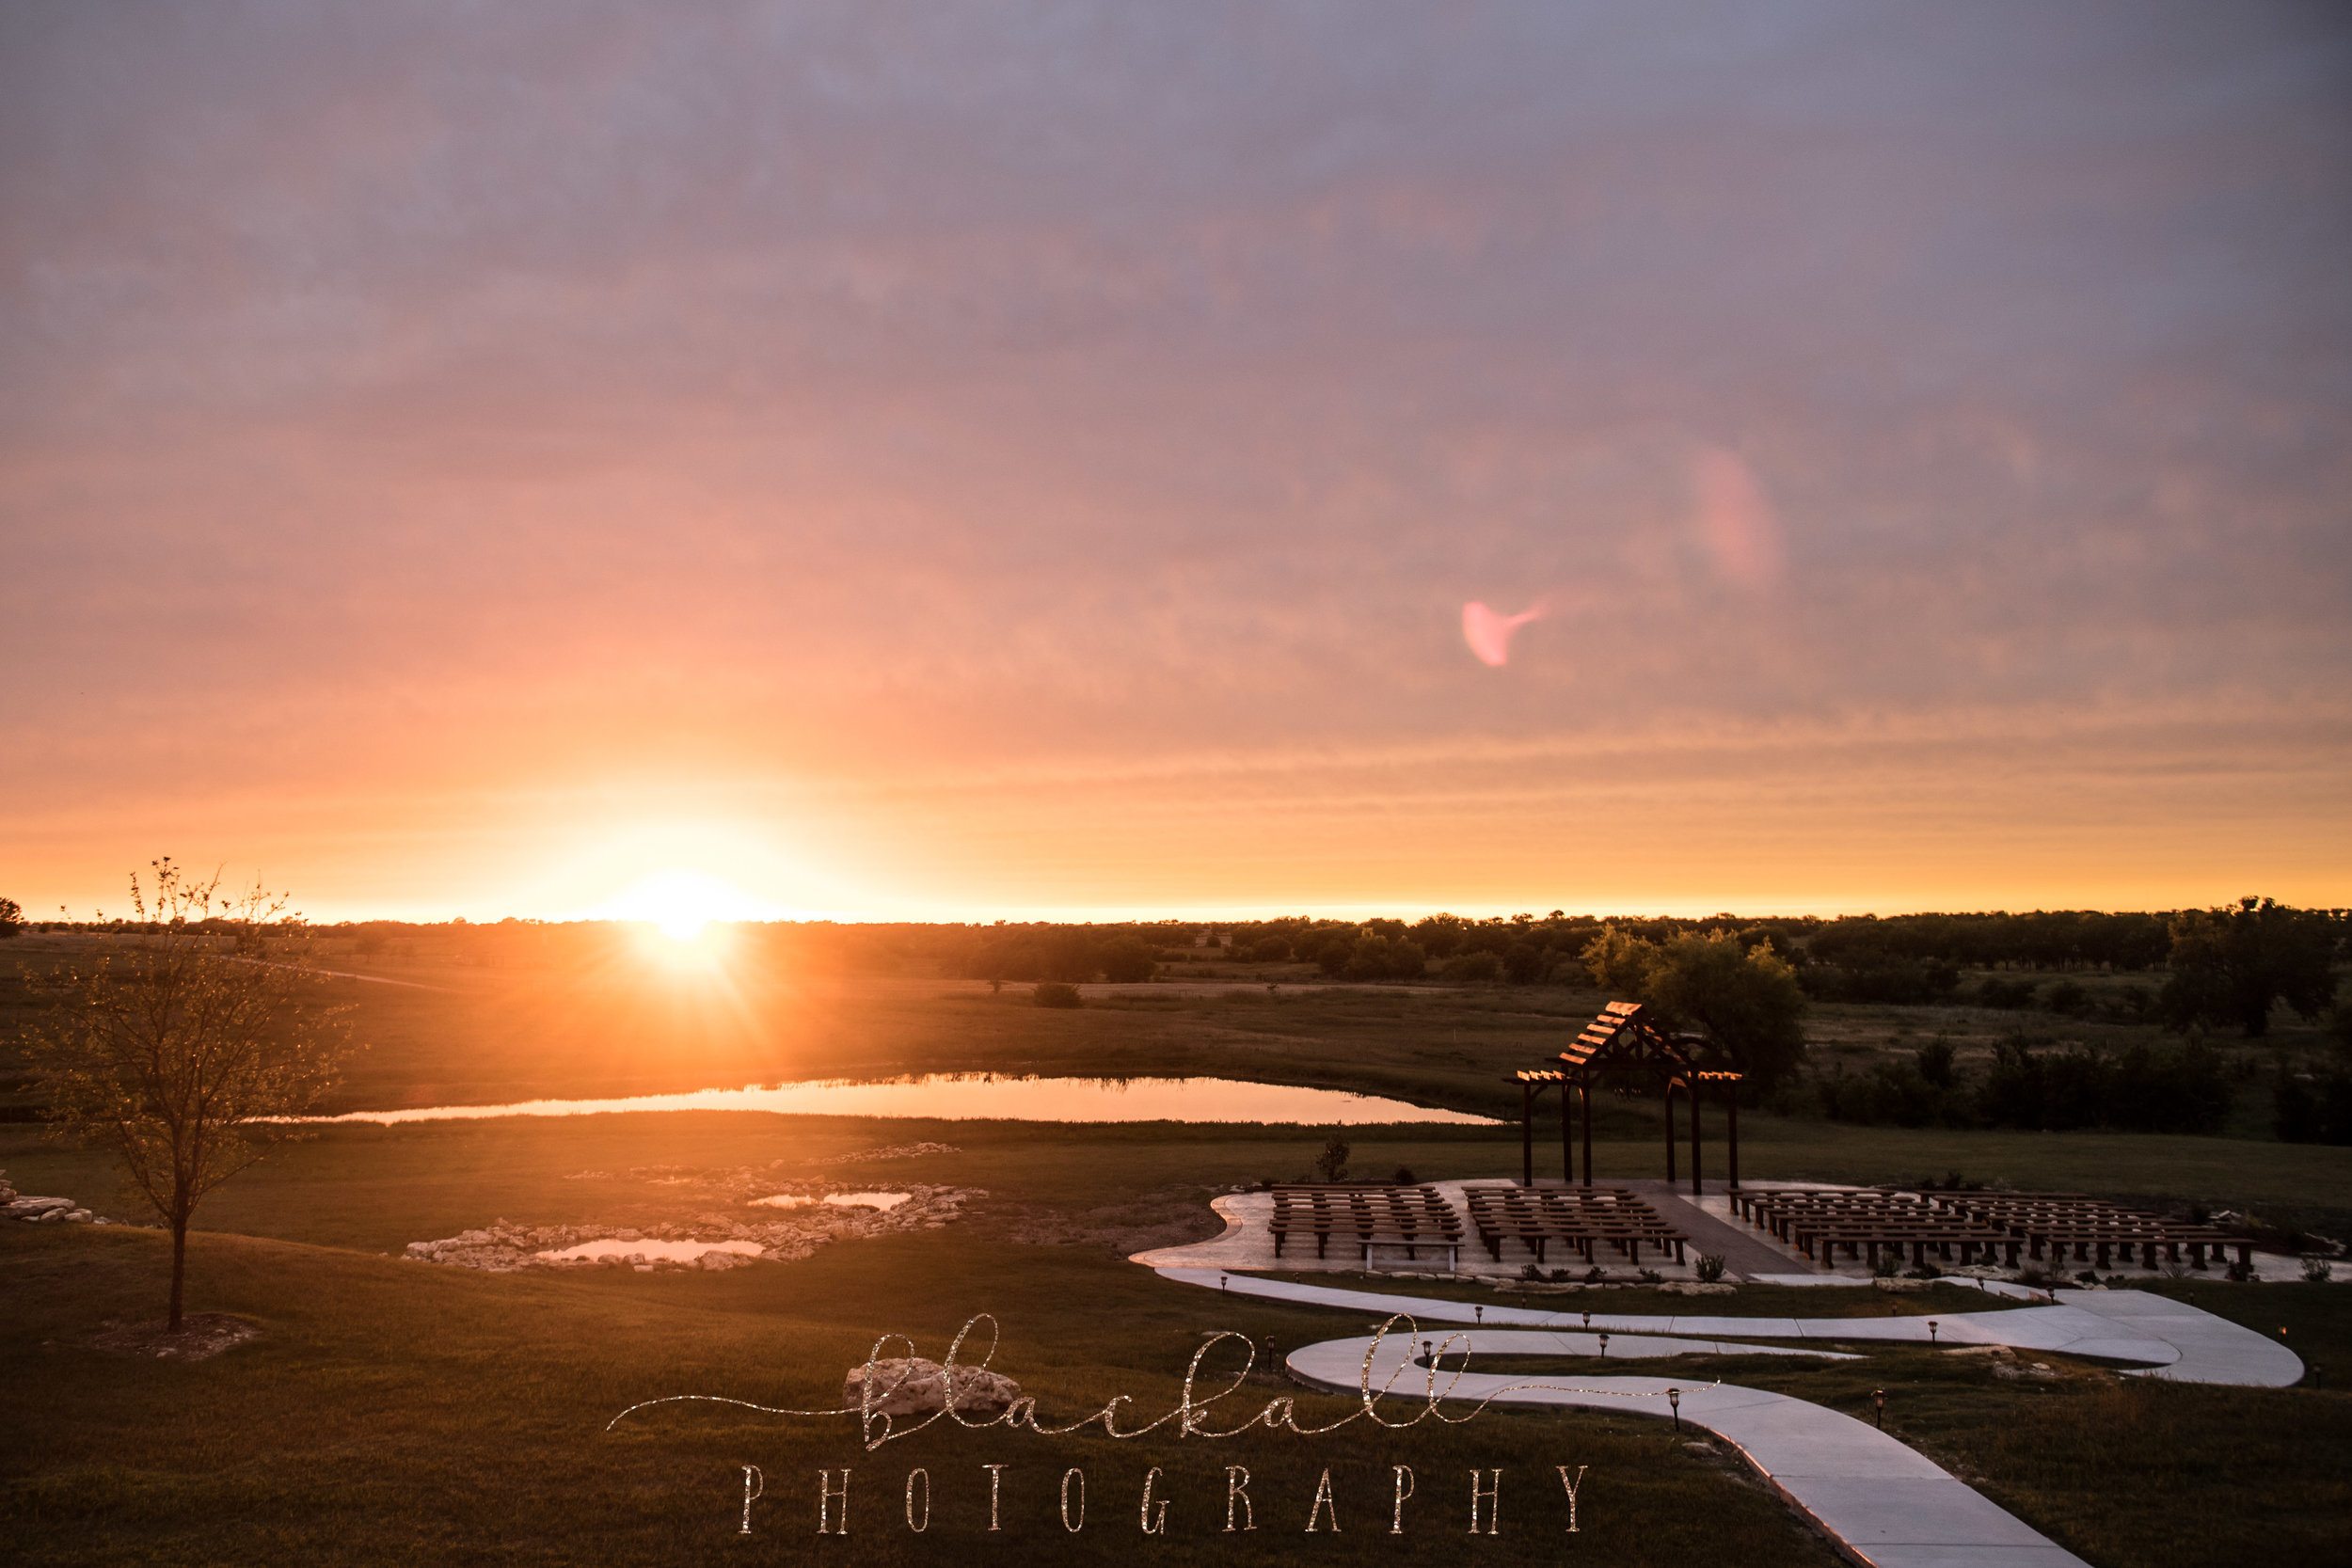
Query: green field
[{"x": 402, "y": 1411}]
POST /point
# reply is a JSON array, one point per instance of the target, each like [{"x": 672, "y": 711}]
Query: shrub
[
  {"x": 1331, "y": 1164},
  {"x": 1128, "y": 960},
  {"x": 1526, "y": 964},
  {"x": 1052, "y": 993},
  {"x": 2318, "y": 1271},
  {"x": 2008, "y": 994},
  {"x": 1710, "y": 1267},
  {"x": 2067, "y": 997},
  {"x": 1479, "y": 968},
  {"x": 1405, "y": 1176},
  {"x": 2312, "y": 1107}
]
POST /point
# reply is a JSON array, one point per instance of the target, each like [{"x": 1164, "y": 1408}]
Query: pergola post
[
  {"x": 1527, "y": 1133},
  {"x": 1585, "y": 1092},
  {"x": 1731, "y": 1117},
  {"x": 1692, "y": 1089},
  {"x": 1567, "y": 1131},
  {"x": 1670, "y": 1131}
]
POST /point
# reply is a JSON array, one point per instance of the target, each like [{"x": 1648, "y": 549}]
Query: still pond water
[{"x": 982, "y": 1096}]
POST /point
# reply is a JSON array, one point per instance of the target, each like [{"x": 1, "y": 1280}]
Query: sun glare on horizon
[{"x": 683, "y": 904}]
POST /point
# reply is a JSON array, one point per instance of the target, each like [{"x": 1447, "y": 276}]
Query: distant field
[{"x": 455, "y": 1032}]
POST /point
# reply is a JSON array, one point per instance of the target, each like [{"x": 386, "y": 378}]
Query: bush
[
  {"x": 1128, "y": 960},
  {"x": 2312, "y": 1107},
  {"x": 1526, "y": 964},
  {"x": 2009, "y": 995},
  {"x": 1479, "y": 968},
  {"x": 1331, "y": 1164},
  {"x": 2068, "y": 998},
  {"x": 1052, "y": 993},
  {"x": 1710, "y": 1267},
  {"x": 2318, "y": 1271},
  {"x": 1405, "y": 1176}
]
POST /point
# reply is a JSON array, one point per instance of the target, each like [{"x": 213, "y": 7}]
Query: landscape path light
[
  {"x": 1878, "y": 1401},
  {"x": 1604, "y": 1346},
  {"x": 1930, "y": 1331},
  {"x": 1674, "y": 1397}
]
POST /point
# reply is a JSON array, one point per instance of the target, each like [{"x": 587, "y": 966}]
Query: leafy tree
[
  {"x": 175, "y": 1054},
  {"x": 2231, "y": 965},
  {"x": 1525, "y": 963},
  {"x": 1747, "y": 1001},
  {"x": 1128, "y": 958},
  {"x": 1619, "y": 961},
  {"x": 11, "y": 918},
  {"x": 1054, "y": 993},
  {"x": 1477, "y": 967}
]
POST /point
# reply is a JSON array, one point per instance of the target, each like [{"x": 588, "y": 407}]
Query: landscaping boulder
[
  {"x": 914, "y": 1386},
  {"x": 37, "y": 1208}
]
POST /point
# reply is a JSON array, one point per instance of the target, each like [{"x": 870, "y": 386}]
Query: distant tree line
[
  {"x": 2180, "y": 1087},
  {"x": 2228, "y": 967}
]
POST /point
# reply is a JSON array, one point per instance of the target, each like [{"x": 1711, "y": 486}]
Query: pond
[
  {"x": 883, "y": 1201},
  {"x": 671, "y": 1252},
  {"x": 983, "y": 1096}
]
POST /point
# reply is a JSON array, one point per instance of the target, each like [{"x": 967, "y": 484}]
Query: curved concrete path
[
  {"x": 1884, "y": 1503},
  {"x": 1877, "y": 1497},
  {"x": 2168, "y": 1338}
]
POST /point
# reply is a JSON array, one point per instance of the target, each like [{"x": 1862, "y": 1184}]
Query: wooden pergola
[{"x": 1623, "y": 1037}]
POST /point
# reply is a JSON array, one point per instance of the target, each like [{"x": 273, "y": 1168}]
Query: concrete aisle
[{"x": 1885, "y": 1503}]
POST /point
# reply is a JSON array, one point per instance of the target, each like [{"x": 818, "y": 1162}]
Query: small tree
[
  {"x": 175, "y": 1054},
  {"x": 1331, "y": 1164},
  {"x": 11, "y": 918}
]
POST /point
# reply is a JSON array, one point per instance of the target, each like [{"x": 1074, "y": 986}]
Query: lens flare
[
  {"x": 1488, "y": 633},
  {"x": 1736, "y": 519}
]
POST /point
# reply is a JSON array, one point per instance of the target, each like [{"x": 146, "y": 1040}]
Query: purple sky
[{"x": 968, "y": 460}]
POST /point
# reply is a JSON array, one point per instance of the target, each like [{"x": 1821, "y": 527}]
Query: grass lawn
[
  {"x": 405, "y": 1411},
  {"x": 401, "y": 1411}
]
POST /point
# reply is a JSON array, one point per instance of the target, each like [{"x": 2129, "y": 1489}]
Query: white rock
[{"x": 914, "y": 1386}]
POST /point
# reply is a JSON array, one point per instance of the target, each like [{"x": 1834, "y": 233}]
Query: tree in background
[
  {"x": 174, "y": 1053},
  {"x": 1129, "y": 958},
  {"x": 1744, "y": 997},
  {"x": 2231, "y": 965},
  {"x": 11, "y": 918}
]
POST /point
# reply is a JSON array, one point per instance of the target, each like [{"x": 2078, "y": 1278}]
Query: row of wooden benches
[
  {"x": 1414, "y": 1218},
  {"x": 1578, "y": 1217},
  {"x": 1989, "y": 1227}
]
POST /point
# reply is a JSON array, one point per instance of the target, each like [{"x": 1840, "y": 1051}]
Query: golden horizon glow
[{"x": 1164, "y": 487}]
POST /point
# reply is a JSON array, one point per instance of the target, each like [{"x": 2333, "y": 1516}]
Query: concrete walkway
[
  {"x": 2166, "y": 1338},
  {"x": 1886, "y": 1504}
]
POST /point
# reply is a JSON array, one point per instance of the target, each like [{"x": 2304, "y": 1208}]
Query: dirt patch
[
  {"x": 705, "y": 1208},
  {"x": 1167, "y": 1217},
  {"x": 201, "y": 1337}
]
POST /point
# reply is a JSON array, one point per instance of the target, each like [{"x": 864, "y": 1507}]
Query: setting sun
[{"x": 682, "y": 903}]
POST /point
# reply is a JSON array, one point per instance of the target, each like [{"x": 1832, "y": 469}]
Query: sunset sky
[{"x": 923, "y": 461}]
